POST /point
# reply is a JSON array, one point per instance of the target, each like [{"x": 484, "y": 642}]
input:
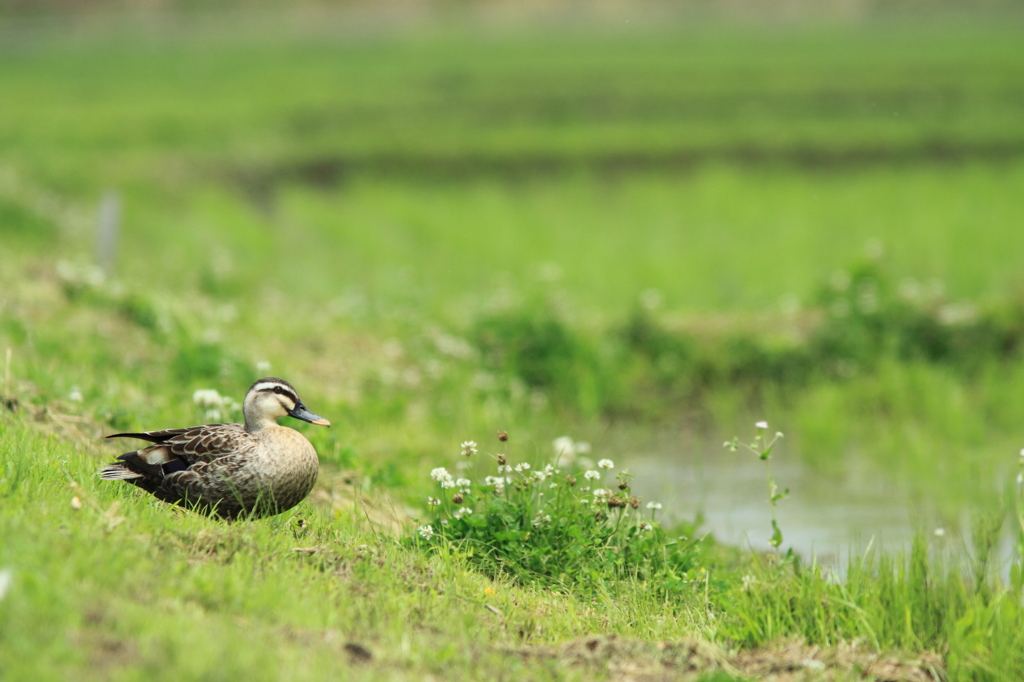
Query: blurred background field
[
  {"x": 645, "y": 226},
  {"x": 480, "y": 220}
]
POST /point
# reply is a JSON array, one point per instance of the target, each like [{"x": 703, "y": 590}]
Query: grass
[{"x": 382, "y": 220}]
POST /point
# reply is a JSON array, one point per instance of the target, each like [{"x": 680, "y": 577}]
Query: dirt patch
[{"x": 639, "y": 661}]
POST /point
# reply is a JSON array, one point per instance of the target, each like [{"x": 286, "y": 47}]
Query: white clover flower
[
  {"x": 76, "y": 395},
  {"x": 212, "y": 416},
  {"x": 433, "y": 501},
  {"x": 447, "y": 483},
  {"x": 592, "y": 475},
  {"x": 600, "y": 492},
  {"x": 496, "y": 481},
  {"x": 426, "y": 532},
  {"x": 463, "y": 511},
  {"x": 468, "y": 448},
  {"x": 6, "y": 580},
  {"x": 504, "y": 469},
  {"x": 520, "y": 468},
  {"x": 207, "y": 398},
  {"x": 606, "y": 464},
  {"x": 541, "y": 519},
  {"x": 643, "y": 527},
  {"x": 553, "y": 485},
  {"x": 465, "y": 491},
  {"x": 539, "y": 476},
  {"x": 440, "y": 474},
  {"x": 548, "y": 470},
  {"x": 654, "y": 505},
  {"x": 748, "y": 582},
  {"x": 563, "y": 445},
  {"x": 761, "y": 425},
  {"x": 464, "y": 482}
]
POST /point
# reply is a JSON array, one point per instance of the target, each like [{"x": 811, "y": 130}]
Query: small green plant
[
  {"x": 762, "y": 446},
  {"x": 558, "y": 524}
]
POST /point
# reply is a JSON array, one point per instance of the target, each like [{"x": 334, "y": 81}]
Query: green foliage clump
[
  {"x": 645, "y": 368},
  {"x": 557, "y": 525},
  {"x": 869, "y": 316},
  {"x": 547, "y": 353}
]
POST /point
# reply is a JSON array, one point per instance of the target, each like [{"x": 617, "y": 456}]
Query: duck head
[{"x": 270, "y": 398}]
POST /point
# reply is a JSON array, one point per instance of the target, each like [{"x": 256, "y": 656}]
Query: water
[{"x": 826, "y": 516}]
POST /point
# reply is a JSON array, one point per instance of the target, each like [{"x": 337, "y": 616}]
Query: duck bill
[{"x": 300, "y": 412}]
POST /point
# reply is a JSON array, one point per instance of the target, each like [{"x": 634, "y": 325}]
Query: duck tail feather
[{"x": 118, "y": 472}]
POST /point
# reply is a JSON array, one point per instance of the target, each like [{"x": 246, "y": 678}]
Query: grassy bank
[{"x": 438, "y": 236}]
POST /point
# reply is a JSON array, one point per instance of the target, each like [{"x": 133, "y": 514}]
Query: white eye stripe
[{"x": 268, "y": 386}]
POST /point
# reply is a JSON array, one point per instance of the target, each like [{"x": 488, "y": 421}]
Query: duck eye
[{"x": 278, "y": 390}]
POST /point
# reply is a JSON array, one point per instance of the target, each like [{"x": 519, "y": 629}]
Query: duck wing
[{"x": 175, "y": 450}]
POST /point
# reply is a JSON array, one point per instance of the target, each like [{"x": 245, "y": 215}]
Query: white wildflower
[
  {"x": 565, "y": 449},
  {"x": 426, "y": 532},
  {"x": 553, "y": 485},
  {"x": 463, "y": 511},
  {"x": 463, "y": 482},
  {"x": 504, "y": 469},
  {"x": 600, "y": 492},
  {"x": 1020, "y": 478},
  {"x": 654, "y": 505},
  {"x": 582, "y": 448},
  {"x": 548, "y": 470},
  {"x": 440, "y": 474},
  {"x": 465, "y": 491},
  {"x": 939, "y": 532},
  {"x": 468, "y": 448},
  {"x": 433, "y": 501},
  {"x": 76, "y": 395},
  {"x": 520, "y": 468},
  {"x": 541, "y": 519},
  {"x": 761, "y": 425},
  {"x": 562, "y": 444},
  {"x": 447, "y": 483},
  {"x": 642, "y": 526},
  {"x": 6, "y": 579},
  {"x": 748, "y": 582},
  {"x": 539, "y": 476},
  {"x": 606, "y": 464},
  {"x": 592, "y": 475},
  {"x": 211, "y": 416},
  {"x": 207, "y": 398}
]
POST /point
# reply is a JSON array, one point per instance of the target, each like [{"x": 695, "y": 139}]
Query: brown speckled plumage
[{"x": 229, "y": 470}]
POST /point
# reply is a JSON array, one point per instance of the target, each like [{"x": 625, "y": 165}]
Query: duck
[{"x": 230, "y": 471}]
